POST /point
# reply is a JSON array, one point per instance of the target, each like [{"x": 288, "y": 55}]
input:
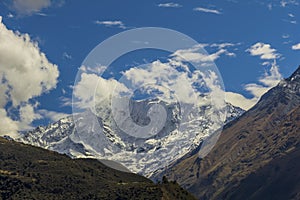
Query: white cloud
[
  {"x": 27, "y": 115},
  {"x": 108, "y": 23},
  {"x": 263, "y": 50},
  {"x": 285, "y": 36},
  {"x": 270, "y": 6},
  {"x": 86, "y": 95},
  {"x": 271, "y": 78},
  {"x": 266, "y": 82},
  {"x": 10, "y": 15},
  {"x": 52, "y": 115},
  {"x": 285, "y": 3},
  {"x": 162, "y": 75},
  {"x": 207, "y": 10},
  {"x": 296, "y": 46},
  {"x": 99, "y": 69},
  {"x": 156, "y": 76},
  {"x": 293, "y": 22},
  {"x": 8, "y": 126},
  {"x": 67, "y": 56},
  {"x": 11, "y": 126},
  {"x": 239, "y": 100},
  {"x": 223, "y": 45},
  {"x": 197, "y": 55},
  {"x": 173, "y": 84},
  {"x": 65, "y": 101},
  {"x": 291, "y": 15},
  {"x": 169, "y": 5},
  {"x": 194, "y": 56},
  {"x": 25, "y": 73},
  {"x": 28, "y": 7},
  {"x": 266, "y": 63}
]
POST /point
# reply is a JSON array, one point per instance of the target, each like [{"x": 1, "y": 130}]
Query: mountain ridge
[
  {"x": 28, "y": 172},
  {"x": 246, "y": 145},
  {"x": 62, "y": 137}
]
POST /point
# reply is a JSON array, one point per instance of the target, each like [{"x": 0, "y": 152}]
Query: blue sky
[{"x": 252, "y": 35}]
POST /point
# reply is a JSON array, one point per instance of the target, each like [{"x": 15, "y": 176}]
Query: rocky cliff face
[{"x": 260, "y": 139}]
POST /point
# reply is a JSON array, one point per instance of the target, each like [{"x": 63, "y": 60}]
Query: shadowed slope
[
  {"x": 268, "y": 131},
  {"x": 28, "y": 172}
]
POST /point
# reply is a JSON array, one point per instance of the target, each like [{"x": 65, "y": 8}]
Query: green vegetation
[
  {"x": 28, "y": 172},
  {"x": 171, "y": 190}
]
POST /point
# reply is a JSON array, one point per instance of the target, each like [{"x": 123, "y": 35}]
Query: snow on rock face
[{"x": 98, "y": 136}]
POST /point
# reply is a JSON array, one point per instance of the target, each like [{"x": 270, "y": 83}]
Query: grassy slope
[
  {"x": 279, "y": 179},
  {"x": 28, "y": 172}
]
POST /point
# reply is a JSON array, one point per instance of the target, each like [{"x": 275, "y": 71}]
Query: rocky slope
[{"x": 264, "y": 138}]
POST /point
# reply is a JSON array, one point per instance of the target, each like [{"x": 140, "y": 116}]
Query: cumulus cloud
[
  {"x": 25, "y": 73},
  {"x": 169, "y": 5},
  {"x": 27, "y": 115},
  {"x": 108, "y": 23},
  {"x": 265, "y": 51},
  {"x": 266, "y": 82},
  {"x": 296, "y": 47},
  {"x": 8, "y": 126},
  {"x": 92, "y": 88},
  {"x": 163, "y": 80},
  {"x": 207, "y": 10},
  {"x": 162, "y": 77},
  {"x": 28, "y": 7},
  {"x": 197, "y": 55}
]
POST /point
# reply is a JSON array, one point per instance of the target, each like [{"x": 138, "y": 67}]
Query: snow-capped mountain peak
[{"x": 103, "y": 139}]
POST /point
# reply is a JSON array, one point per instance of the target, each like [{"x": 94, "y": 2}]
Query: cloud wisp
[
  {"x": 285, "y": 3},
  {"x": 28, "y": 7},
  {"x": 108, "y": 23},
  {"x": 169, "y": 5},
  {"x": 200, "y": 57},
  {"x": 207, "y": 10}
]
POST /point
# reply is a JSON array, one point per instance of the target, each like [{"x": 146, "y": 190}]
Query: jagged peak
[
  {"x": 293, "y": 81},
  {"x": 295, "y": 75}
]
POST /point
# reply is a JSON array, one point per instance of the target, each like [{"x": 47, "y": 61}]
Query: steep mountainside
[
  {"x": 262, "y": 139},
  {"x": 28, "y": 172}
]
